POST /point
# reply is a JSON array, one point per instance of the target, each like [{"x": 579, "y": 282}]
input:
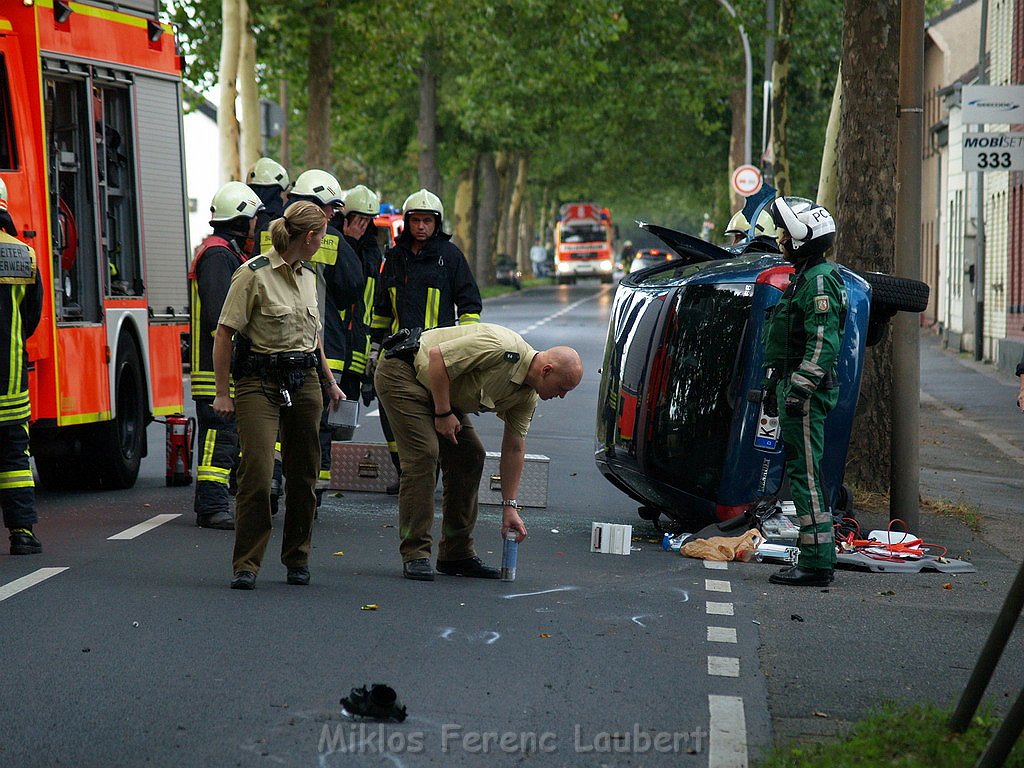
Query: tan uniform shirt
[
  {"x": 487, "y": 365},
  {"x": 274, "y": 305}
]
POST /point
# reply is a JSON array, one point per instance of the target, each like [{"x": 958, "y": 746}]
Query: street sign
[
  {"x": 993, "y": 152},
  {"x": 746, "y": 180},
  {"x": 992, "y": 103}
]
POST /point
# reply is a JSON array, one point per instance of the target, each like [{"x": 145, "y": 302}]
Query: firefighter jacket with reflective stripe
[
  {"x": 360, "y": 315},
  {"x": 273, "y": 208},
  {"x": 21, "y": 303},
  {"x": 805, "y": 329},
  {"x": 342, "y": 276},
  {"x": 209, "y": 278},
  {"x": 430, "y": 289}
]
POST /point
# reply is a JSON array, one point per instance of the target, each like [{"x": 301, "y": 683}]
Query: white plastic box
[{"x": 611, "y": 538}]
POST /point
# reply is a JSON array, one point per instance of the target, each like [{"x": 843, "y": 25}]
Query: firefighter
[
  {"x": 270, "y": 181},
  {"x": 361, "y": 206},
  {"x": 802, "y": 340},
  {"x": 764, "y": 233},
  {"x": 21, "y": 302},
  {"x": 339, "y": 287},
  {"x": 233, "y": 215},
  {"x": 425, "y": 283}
]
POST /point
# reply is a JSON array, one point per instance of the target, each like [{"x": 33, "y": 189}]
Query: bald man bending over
[{"x": 427, "y": 393}]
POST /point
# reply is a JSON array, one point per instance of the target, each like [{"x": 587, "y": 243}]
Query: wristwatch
[{"x": 514, "y": 503}]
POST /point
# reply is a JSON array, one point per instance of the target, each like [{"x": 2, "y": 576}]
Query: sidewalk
[{"x": 829, "y": 657}]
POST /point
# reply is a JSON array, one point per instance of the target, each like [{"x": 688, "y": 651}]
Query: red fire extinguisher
[{"x": 180, "y": 437}]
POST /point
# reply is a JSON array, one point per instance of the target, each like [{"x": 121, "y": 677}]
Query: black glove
[
  {"x": 367, "y": 391},
  {"x": 797, "y": 405},
  {"x": 770, "y": 399}
]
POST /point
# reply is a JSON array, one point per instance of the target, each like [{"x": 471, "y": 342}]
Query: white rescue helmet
[
  {"x": 319, "y": 186},
  {"x": 361, "y": 199},
  {"x": 811, "y": 228},
  {"x": 267, "y": 172},
  {"x": 234, "y": 200},
  {"x": 424, "y": 201},
  {"x": 738, "y": 225}
]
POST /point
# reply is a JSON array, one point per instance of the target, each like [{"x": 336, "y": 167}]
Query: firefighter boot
[
  {"x": 220, "y": 520},
  {"x": 24, "y": 542}
]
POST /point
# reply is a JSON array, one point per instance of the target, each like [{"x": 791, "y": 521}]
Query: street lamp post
[{"x": 749, "y": 95}]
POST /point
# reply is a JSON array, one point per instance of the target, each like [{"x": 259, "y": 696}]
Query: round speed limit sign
[{"x": 746, "y": 180}]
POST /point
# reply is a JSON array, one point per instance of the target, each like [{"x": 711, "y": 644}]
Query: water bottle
[{"x": 509, "y": 555}]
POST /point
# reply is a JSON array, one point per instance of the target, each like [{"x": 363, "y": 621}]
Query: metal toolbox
[
  {"x": 533, "y": 485},
  {"x": 361, "y": 467}
]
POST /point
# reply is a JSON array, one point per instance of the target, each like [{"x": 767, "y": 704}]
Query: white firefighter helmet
[
  {"x": 233, "y": 201},
  {"x": 811, "y": 228},
  {"x": 267, "y": 172},
  {"x": 318, "y": 185},
  {"x": 424, "y": 201},
  {"x": 361, "y": 199},
  {"x": 738, "y": 225}
]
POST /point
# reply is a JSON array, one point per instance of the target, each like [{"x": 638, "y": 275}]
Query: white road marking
[
  {"x": 716, "y": 565},
  {"x": 542, "y": 592},
  {"x": 636, "y": 620},
  {"x": 727, "y": 732},
  {"x": 718, "y": 609},
  {"x": 371, "y": 414},
  {"x": 141, "y": 528},
  {"x": 20, "y": 585},
  {"x": 721, "y": 634},
  {"x": 561, "y": 312},
  {"x": 723, "y": 666},
  {"x": 717, "y": 585}
]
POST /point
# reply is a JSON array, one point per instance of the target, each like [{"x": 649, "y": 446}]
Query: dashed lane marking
[
  {"x": 716, "y": 565},
  {"x": 721, "y": 634},
  {"x": 561, "y": 312},
  {"x": 717, "y": 585},
  {"x": 727, "y": 732},
  {"x": 723, "y": 666},
  {"x": 141, "y": 528},
  {"x": 718, "y": 609},
  {"x": 20, "y": 585}
]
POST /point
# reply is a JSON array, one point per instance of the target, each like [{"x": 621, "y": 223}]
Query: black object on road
[{"x": 380, "y": 702}]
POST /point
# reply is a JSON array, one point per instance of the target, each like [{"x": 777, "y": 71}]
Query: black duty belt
[{"x": 283, "y": 361}]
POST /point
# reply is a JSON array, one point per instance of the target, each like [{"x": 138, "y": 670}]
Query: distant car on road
[
  {"x": 506, "y": 272},
  {"x": 650, "y": 257}
]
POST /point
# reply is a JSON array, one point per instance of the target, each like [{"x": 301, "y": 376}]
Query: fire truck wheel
[{"x": 120, "y": 443}]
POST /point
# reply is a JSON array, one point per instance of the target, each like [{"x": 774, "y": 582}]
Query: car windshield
[
  {"x": 582, "y": 235},
  {"x": 693, "y": 369}
]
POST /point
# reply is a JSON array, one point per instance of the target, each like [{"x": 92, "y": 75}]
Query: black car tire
[{"x": 901, "y": 294}]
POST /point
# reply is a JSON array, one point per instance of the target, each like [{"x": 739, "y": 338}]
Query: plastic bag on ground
[{"x": 724, "y": 548}]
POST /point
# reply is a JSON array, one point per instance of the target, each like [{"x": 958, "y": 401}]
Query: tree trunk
[
  {"x": 252, "y": 133},
  {"x": 780, "y": 97},
  {"x": 227, "y": 122},
  {"x": 528, "y": 232},
  {"x": 319, "y": 84},
  {"x": 866, "y": 207},
  {"x": 465, "y": 207},
  {"x": 285, "y": 151},
  {"x": 426, "y": 125},
  {"x": 737, "y": 142},
  {"x": 515, "y": 207},
  {"x": 828, "y": 179},
  {"x": 502, "y": 165},
  {"x": 486, "y": 220}
]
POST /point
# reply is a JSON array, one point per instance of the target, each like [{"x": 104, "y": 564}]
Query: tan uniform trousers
[
  {"x": 410, "y": 409},
  {"x": 260, "y": 413}
]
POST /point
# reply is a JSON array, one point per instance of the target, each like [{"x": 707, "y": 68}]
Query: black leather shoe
[
  {"x": 468, "y": 566},
  {"x": 244, "y": 580},
  {"x": 796, "y": 576},
  {"x": 24, "y": 542},
  {"x": 298, "y": 576},
  {"x": 418, "y": 570},
  {"x": 222, "y": 521}
]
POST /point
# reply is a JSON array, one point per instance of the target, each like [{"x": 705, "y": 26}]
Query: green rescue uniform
[{"x": 802, "y": 338}]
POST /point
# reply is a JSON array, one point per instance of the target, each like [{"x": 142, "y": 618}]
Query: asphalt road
[{"x": 137, "y": 653}]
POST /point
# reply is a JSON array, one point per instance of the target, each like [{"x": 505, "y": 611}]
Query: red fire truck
[
  {"x": 91, "y": 151},
  {"x": 584, "y": 243}
]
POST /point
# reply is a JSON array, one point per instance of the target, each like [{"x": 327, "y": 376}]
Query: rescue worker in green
[
  {"x": 802, "y": 339},
  {"x": 425, "y": 283},
  {"x": 233, "y": 215},
  {"x": 21, "y": 304}
]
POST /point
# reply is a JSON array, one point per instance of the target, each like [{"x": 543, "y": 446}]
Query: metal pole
[
  {"x": 904, "y": 501},
  {"x": 979, "y": 239},
  {"x": 1002, "y": 742},
  {"x": 749, "y": 92},
  {"x": 767, "y": 171},
  {"x": 989, "y": 657}
]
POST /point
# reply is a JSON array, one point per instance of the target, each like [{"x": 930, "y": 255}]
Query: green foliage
[{"x": 900, "y": 737}]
